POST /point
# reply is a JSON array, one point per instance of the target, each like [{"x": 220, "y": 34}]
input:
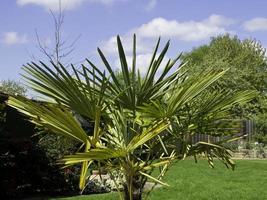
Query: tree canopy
[
  {"x": 247, "y": 64},
  {"x": 12, "y": 87},
  {"x": 245, "y": 60}
]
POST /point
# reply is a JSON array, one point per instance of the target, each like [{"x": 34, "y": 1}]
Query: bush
[
  {"x": 260, "y": 138},
  {"x": 28, "y": 165},
  {"x": 25, "y": 171},
  {"x": 261, "y": 128},
  {"x": 231, "y": 145},
  {"x": 55, "y": 147}
]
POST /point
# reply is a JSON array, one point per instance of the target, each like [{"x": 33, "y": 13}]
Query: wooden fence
[{"x": 245, "y": 130}]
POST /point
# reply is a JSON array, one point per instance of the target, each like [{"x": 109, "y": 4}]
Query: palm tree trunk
[{"x": 133, "y": 189}]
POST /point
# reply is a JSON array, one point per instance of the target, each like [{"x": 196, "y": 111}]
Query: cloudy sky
[{"x": 188, "y": 23}]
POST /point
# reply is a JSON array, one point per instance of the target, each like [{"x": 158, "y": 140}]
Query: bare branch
[
  {"x": 60, "y": 49},
  {"x": 42, "y": 47}
]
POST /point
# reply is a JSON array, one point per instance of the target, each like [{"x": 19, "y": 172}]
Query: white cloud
[
  {"x": 65, "y": 4},
  {"x": 255, "y": 24},
  {"x": 151, "y": 4},
  {"x": 142, "y": 62},
  {"x": 144, "y": 48},
  {"x": 106, "y": 2},
  {"x": 186, "y": 31},
  {"x": 110, "y": 46},
  {"x": 148, "y": 33},
  {"x": 170, "y": 29},
  {"x": 11, "y": 38},
  {"x": 52, "y": 4}
]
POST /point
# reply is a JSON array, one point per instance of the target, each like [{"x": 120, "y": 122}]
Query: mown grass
[{"x": 190, "y": 181}]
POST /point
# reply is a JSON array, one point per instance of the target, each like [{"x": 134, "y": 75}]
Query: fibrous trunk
[{"x": 133, "y": 190}]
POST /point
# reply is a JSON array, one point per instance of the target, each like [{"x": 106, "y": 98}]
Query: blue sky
[{"x": 188, "y": 23}]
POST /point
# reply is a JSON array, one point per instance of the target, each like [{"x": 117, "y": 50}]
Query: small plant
[{"x": 248, "y": 145}]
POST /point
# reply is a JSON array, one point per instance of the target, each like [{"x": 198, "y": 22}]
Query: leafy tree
[
  {"x": 247, "y": 65},
  {"x": 261, "y": 128},
  {"x": 139, "y": 123},
  {"x": 245, "y": 59},
  {"x": 12, "y": 87}
]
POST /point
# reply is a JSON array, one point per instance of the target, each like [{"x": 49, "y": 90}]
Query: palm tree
[{"x": 137, "y": 120}]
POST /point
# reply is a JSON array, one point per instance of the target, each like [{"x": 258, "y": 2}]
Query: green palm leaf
[
  {"x": 94, "y": 154},
  {"x": 54, "y": 117}
]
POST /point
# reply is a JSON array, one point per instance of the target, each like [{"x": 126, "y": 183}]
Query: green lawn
[{"x": 190, "y": 181}]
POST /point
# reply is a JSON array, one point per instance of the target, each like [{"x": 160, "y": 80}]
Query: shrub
[{"x": 25, "y": 171}]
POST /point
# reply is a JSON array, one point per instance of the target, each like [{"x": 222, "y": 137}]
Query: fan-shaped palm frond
[{"x": 135, "y": 120}]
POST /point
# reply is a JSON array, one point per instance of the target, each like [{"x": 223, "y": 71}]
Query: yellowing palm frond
[{"x": 58, "y": 119}]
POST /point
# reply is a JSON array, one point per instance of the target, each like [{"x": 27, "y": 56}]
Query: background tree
[
  {"x": 245, "y": 59},
  {"x": 9, "y": 87},
  {"x": 247, "y": 65},
  {"x": 59, "y": 49},
  {"x": 12, "y": 87}
]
